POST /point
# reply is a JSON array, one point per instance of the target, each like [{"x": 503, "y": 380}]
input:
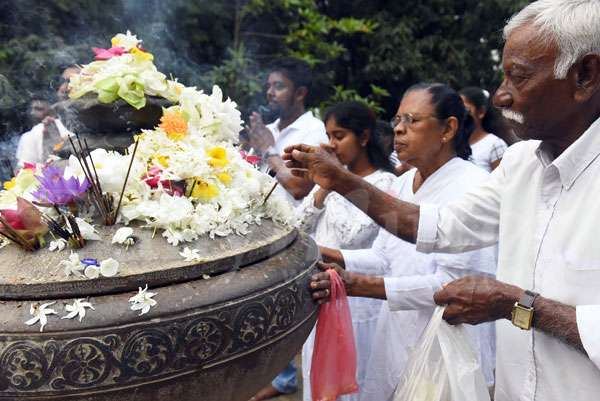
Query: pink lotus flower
[
  {"x": 26, "y": 220},
  {"x": 105, "y": 54}
]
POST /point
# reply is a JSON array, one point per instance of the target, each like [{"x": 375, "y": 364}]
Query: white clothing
[
  {"x": 339, "y": 224},
  {"x": 544, "y": 215},
  {"x": 414, "y": 278},
  {"x": 488, "y": 150},
  {"x": 30, "y": 148},
  {"x": 306, "y": 129}
]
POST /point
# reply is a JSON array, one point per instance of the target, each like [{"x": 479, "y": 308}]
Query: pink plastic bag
[{"x": 333, "y": 369}]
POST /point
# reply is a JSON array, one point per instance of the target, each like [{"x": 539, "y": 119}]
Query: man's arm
[
  {"x": 319, "y": 166},
  {"x": 296, "y": 186},
  {"x": 475, "y": 300}
]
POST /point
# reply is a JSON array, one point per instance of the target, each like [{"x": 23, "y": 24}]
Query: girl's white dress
[{"x": 339, "y": 224}]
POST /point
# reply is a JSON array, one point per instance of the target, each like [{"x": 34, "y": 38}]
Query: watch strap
[{"x": 528, "y": 298}]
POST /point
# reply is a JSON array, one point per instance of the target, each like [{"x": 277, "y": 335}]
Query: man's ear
[
  {"x": 301, "y": 93},
  {"x": 587, "y": 77}
]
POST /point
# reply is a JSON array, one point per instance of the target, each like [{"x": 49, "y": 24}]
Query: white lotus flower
[
  {"x": 190, "y": 255},
  {"x": 77, "y": 309},
  {"x": 124, "y": 236},
  {"x": 57, "y": 245},
  {"x": 109, "y": 267},
  {"x": 142, "y": 300},
  {"x": 87, "y": 230},
  {"x": 40, "y": 314},
  {"x": 73, "y": 265}
]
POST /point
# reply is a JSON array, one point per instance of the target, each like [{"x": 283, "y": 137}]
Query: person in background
[
  {"x": 357, "y": 143},
  {"x": 487, "y": 148},
  {"x": 39, "y": 108},
  {"x": 287, "y": 89},
  {"x": 432, "y": 133},
  {"x": 46, "y": 137}
]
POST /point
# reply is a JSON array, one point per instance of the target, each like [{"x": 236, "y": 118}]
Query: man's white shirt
[
  {"x": 545, "y": 216},
  {"x": 30, "y": 148},
  {"x": 306, "y": 129}
]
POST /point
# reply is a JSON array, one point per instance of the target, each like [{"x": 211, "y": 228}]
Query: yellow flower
[
  {"x": 10, "y": 184},
  {"x": 224, "y": 178},
  {"x": 218, "y": 157},
  {"x": 141, "y": 55},
  {"x": 115, "y": 41},
  {"x": 174, "y": 125},
  {"x": 163, "y": 160},
  {"x": 203, "y": 190}
]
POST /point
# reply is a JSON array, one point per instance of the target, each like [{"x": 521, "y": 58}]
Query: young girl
[{"x": 335, "y": 222}]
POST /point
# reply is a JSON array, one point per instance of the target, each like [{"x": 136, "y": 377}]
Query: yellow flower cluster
[
  {"x": 203, "y": 190},
  {"x": 218, "y": 157}
]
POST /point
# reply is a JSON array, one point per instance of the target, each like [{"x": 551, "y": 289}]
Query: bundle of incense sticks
[
  {"x": 10, "y": 233},
  {"x": 104, "y": 202},
  {"x": 73, "y": 236}
]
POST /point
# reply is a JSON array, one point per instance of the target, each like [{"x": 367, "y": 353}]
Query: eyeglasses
[{"x": 408, "y": 119}]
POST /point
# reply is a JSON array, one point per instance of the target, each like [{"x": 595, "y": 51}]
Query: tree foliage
[{"x": 369, "y": 50}]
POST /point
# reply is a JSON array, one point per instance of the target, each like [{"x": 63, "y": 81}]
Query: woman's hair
[
  {"x": 447, "y": 103},
  {"x": 360, "y": 119},
  {"x": 480, "y": 98}
]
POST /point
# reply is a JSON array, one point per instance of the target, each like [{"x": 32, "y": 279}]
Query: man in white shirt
[
  {"x": 48, "y": 136},
  {"x": 287, "y": 89},
  {"x": 540, "y": 205}
]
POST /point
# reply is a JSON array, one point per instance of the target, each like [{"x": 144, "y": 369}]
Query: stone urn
[
  {"x": 223, "y": 327},
  {"x": 109, "y": 126}
]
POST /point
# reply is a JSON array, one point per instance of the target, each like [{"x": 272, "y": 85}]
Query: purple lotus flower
[{"x": 57, "y": 190}]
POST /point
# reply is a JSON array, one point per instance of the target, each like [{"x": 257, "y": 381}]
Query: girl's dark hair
[
  {"x": 360, "y": 119},
  {"x": 447, "y": 103},
  {"x": 480, "y": 98}
]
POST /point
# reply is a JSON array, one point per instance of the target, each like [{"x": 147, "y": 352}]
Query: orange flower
[{"x": 174, "y": 125}]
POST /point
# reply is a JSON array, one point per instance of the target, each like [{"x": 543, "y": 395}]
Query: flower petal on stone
[{"x": 109, "y": 267}]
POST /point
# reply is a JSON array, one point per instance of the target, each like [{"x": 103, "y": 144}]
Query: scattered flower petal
[
  {"x": 57, "y": 245},
  {"x": 142, "y": 300},
  {"x": 109, "y": 267},
  {"x": 92, "y": 272},
  {"x": 40, "y": 314},
  {"x": 73, "y": 265},
  {"x": 190, "y": 255},
  {"x": 77, "y": 309},
  {"x": 123, "y": 236}
]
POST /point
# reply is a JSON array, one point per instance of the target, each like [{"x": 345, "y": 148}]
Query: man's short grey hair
[{"x": 574, "y": 25}]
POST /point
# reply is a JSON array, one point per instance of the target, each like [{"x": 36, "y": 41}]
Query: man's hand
[
  {"x": 260, "y": 136},
  {"x": 320, "y": 284},
  {"x": 316, "y": 163},
  {"x": 476, "y": 299}
]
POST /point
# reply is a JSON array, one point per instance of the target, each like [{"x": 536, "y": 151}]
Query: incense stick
[{"x": 270, "y": 192}]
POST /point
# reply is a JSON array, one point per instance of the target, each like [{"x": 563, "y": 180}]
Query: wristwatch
[{"x": 522, "y": 312}]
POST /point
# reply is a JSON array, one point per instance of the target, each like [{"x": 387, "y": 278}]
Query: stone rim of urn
[{"x": 220, "y": 338}]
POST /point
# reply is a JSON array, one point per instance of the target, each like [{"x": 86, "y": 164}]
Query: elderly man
[{"x": 540, "y": 205}]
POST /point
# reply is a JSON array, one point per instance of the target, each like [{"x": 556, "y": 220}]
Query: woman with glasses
[
  {"x": 432, "y": 129},
  {"x": 334, "y": 222}
]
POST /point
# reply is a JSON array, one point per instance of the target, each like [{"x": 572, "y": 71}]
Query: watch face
[{"x": 522, "y": 317}]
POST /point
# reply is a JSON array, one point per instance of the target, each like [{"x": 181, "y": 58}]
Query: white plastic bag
[{"x": 442, "y": 367}]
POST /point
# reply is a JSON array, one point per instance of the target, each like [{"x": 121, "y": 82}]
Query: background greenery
[{"x": 360, "y": 49}]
